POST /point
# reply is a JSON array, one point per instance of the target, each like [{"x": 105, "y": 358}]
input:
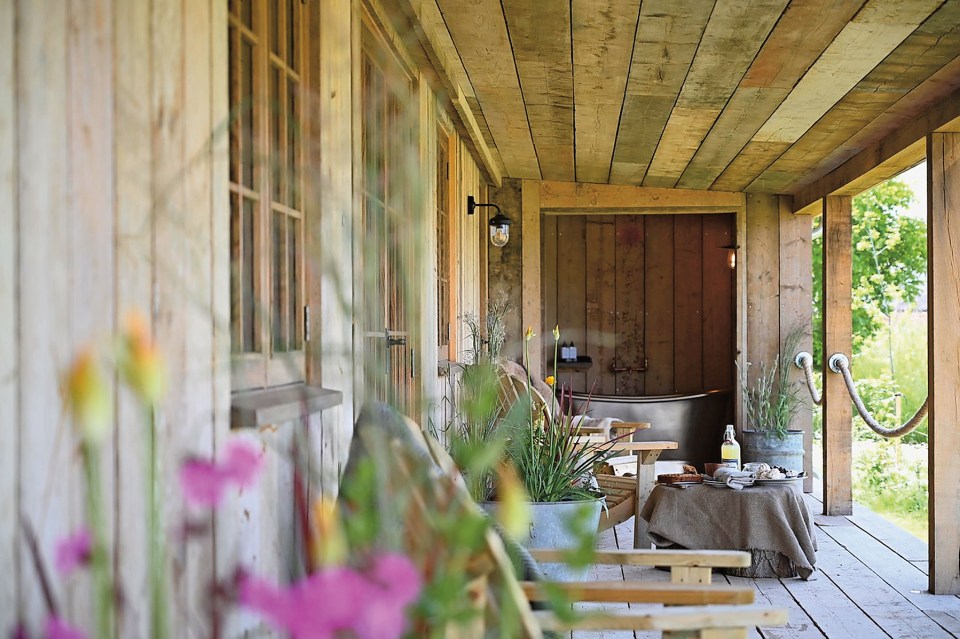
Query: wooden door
[
  {"x": 385, "y": 258},
  {"x": 649, "y": 298}
]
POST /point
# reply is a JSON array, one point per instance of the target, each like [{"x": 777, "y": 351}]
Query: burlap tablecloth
[{"x": 773, "y": 522}]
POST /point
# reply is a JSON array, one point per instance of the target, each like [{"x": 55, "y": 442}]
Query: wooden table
[{"x": 647, "y": 455}]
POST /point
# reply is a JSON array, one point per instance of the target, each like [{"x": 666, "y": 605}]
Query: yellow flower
[
  {"x": 529, "y": 335},
  {"x": 329, "y": 544},
  {"x": 87, "y": 397},
  {"x": 140, "y": 363},
  {"x": 556, "y": 333},
  {"x": 513, "y": 509},
  {"x": 550, "y": 380}
]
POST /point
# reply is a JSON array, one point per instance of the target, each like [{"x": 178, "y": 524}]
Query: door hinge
[{"x": 306, "y": 323}]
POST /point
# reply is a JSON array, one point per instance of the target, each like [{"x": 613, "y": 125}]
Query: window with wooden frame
[
  {"x": 266, "y": 60},
  {"x": 446, "y": 309}
]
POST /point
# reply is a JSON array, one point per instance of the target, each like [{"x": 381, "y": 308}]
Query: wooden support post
[
  {"x": 943, "y": 359},
  {"x": 837, "y": 338},
  {"x": 530, "y": 275}
]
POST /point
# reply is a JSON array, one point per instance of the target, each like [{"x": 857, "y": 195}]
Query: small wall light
[
  {"x": 499, "y": 223},
  {"x": 731, "y": 256}
]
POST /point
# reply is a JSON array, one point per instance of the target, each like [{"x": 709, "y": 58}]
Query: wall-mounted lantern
[{"x": 499, "y": 223}]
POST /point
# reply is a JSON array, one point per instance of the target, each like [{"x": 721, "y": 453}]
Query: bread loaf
[{"x": 673, "y": 478}]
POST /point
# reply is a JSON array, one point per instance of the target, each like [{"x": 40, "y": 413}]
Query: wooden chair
[{"x": 404, "y": 455}]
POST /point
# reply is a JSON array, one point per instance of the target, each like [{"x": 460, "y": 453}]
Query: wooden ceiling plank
[
  {"x": 863, "y": 44},
  {"x": 750, "y": 162},
  {"x": 884, "y": 159},
  {"x": 541, "y": 48},
  {"x": 934, "y": 45},
  {"x": 479, "y": 32},
  {"x": 733, "y": 37},
  {"x": 604, "y": 32},
  {"x": 800, "y": 37},
  {"x": 431, "y": 37},
  {"x": 668, "y": 34}
]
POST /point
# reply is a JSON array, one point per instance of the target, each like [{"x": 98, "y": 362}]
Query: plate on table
[
  {"x": 785, "y": 480},
  {"x": 681, "y": 484},
  {"x": 716, "y": 483}
]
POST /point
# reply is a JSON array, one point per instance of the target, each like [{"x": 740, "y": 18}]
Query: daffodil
[
  {"x": 87, "y": 397},
  {"x": 529, "y": 335},
  {"x": 140, "y": 364},
  {"x": 329, "y": 544},
  {"x": 550, "y": 380},
  {"x": 556, "y": 333}
]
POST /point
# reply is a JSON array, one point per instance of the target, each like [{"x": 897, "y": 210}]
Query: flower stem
[
  {"x": 103, "y": 598},
  {"x": 158, "y": 595}
]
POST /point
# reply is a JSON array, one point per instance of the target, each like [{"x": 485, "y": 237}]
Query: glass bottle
[{"x": 730, "y": 449}]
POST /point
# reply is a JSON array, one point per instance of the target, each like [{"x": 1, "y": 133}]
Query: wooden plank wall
[
  {"x": 943, "y": 185},
  {"x": 626, "y": 288}
]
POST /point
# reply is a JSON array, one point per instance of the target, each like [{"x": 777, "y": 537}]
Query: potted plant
[
  {"x": 769, "y": 405},
  {"x": 548, "y": 458}
]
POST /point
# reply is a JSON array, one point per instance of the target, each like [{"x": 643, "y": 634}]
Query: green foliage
[
  {"x": 773, "y": 400},
  {"x": 889, "y": 262},
  {"x": 898, "y": 354},
  {"x": 891, "y": 479}
]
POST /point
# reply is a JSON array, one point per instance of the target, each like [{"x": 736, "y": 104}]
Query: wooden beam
[
  {"x": 943, "y": 224},
  {"x": 898, "y": 151},
  {"x": 642, "y": 592},
  {"x": 530, "y": 275},
  {"x": 578, "y": 197},
  {"x": 796, "y": 310},
  {"x": 837, "y": 338}
]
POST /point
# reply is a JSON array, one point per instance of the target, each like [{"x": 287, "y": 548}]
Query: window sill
[{"x": 253, "y": 409}]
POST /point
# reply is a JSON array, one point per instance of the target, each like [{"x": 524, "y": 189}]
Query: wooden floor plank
[
  {"x": 887, "y": 607},
  {"x": 908, "y": 580},
  {"x": 773, "y": 592}
]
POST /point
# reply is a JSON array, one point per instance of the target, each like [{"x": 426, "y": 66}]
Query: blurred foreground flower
[
  {"x": 513, "y": 507},
  {"x": 369, "y": 603},
  {"x": 204, "y": 482},
  {"x": 87, "y": 397},
  {"x": 56, "y": 628},
  {"x": 140, "y": 363},
  {"x": 329, "y": 545},
  {"x": 74, "y": 551}
]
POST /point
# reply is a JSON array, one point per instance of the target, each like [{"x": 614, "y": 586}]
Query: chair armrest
[
  {"x": 642, "y": 592},
  {"x": 687, "y": 558},
  {"x": 690, "y": 618}
]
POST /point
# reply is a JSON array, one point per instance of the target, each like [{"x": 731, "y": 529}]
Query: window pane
[
  {"x": 245, "y": 106},
  {"x": 234, "y": 91},
  {"x": 236, "y": 296},
  {"x": 293, "y": 164},
  {"x": 293, "y": 284},
  {"x": 247, "y": 12},
  {"x": 278, "y": 301},
  {"x": 277, "y": 135},
  {"x": 248, "y": 288},
  {"x": 293, "y": 40},
  {"x": 273, "y": 25}
]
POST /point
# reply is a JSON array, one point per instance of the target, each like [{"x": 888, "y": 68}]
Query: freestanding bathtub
[{"x": 695, "y": 422}]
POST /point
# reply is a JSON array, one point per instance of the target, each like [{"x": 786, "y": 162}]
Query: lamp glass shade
[{"x": 499, "y": 234}]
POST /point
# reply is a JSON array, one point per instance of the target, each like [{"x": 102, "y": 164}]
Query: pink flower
[
  {"x": 56, "y": 628},
  {"x": 371, "y": 604},
  {"x": 204, "y": 483},
  {"x": 74, "y": 551}
]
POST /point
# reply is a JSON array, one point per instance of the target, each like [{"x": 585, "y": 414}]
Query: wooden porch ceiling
[{"x": 733, "y": 95}]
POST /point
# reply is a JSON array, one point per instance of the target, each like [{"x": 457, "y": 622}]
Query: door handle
[{"x": 397, "y": 341}]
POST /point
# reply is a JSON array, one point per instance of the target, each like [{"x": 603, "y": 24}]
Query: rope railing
[
  {"x": 804, "y": 361},
  {"x": 840, "y": 365}
]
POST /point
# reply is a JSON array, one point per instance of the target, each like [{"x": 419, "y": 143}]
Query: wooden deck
[{"x": 871, "y": 582}]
